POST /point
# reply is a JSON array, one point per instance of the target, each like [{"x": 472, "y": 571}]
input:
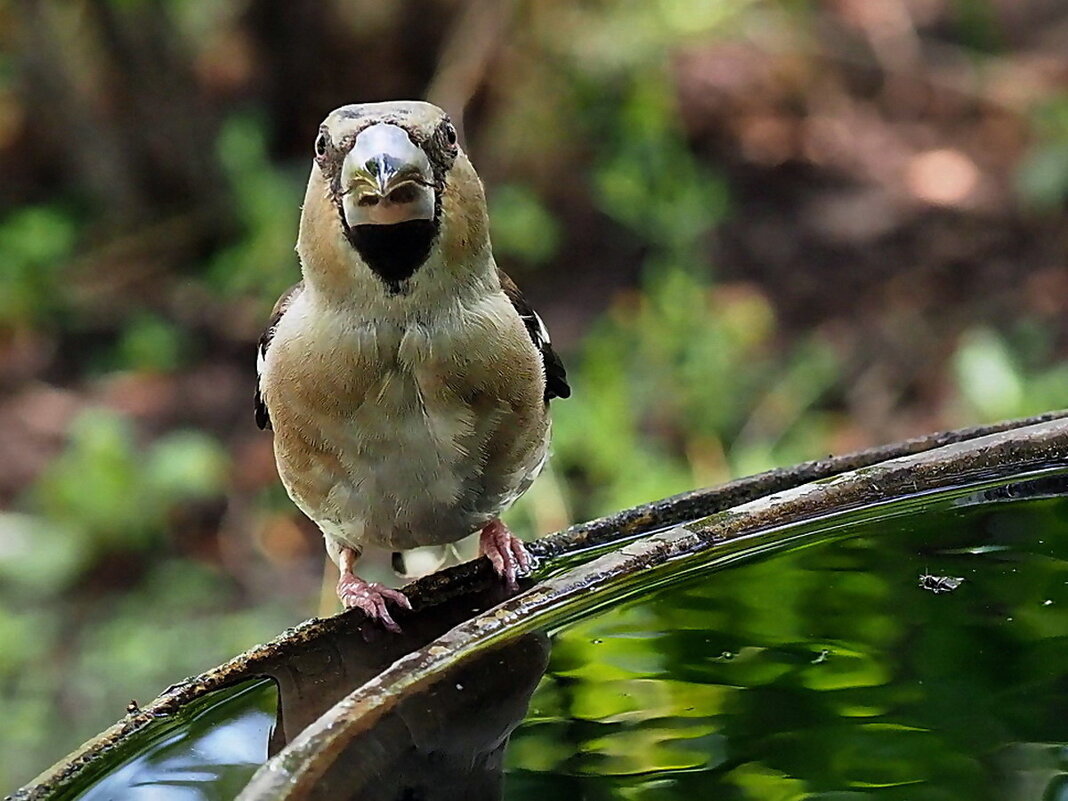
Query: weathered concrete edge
[
  {"x": 290, "y": 774},
  {"x": 429, "y": 591}
]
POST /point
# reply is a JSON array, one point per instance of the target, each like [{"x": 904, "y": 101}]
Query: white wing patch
[{"x": 543, "y": 332}]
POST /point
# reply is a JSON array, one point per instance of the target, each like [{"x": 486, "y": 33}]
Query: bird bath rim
[{"x": 952, "y": 456}]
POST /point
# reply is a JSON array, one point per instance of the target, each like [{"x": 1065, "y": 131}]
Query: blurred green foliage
[
  {"x": 267, "y": 201},
  {"x": 35, "y": 244},
  {"x": 106, "y": 493},
  {"x": 150, "y": 344},
  {"x": 1001, "y": 377},
  {"x": 683, "y": 379},
  {"x": 522, "y": 227},
  {"x": 1043, "y": 175},
  {"x": 680, "y": 383}
]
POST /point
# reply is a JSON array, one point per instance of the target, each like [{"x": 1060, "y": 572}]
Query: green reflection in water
[
  {"x": 208, "y": 752},
  {"x": 826, "y": 672}
]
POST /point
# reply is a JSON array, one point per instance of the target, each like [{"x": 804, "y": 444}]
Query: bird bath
[{"x": 800, "y": 634}]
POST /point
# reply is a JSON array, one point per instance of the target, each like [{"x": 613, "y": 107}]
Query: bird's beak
[{"x": 386, "y": 178}]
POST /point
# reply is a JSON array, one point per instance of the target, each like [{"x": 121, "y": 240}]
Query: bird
[{"x": 406, "y": 379}]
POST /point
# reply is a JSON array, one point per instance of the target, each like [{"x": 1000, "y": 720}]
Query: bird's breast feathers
[
  {"x": 384, "y": 429},
  {"x": 467, "y": 348}
]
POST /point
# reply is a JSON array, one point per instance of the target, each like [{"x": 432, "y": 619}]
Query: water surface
[
  {"x": 208, "y": 752},
  {"x": 825, "y": 671}
]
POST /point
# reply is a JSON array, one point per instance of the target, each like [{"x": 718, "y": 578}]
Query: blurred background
[{"x": 760, "y": 232}]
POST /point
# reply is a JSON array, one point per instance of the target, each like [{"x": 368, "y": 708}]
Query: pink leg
[
  {"x": 371, "y": 598},
  {"x": 504, "y": 550}
]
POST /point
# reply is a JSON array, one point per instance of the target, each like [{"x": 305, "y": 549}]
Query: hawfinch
[{"x": 406, "y": 379}]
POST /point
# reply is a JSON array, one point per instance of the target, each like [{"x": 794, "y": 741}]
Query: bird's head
[{"x": 390, "y": 190}]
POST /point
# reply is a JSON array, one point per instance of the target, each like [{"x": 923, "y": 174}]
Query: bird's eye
[
  {"x": 450, "y": 134},
  {"x": 321, "y": 143}
]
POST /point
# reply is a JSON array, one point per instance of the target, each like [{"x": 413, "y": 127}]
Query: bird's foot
[
  {"x": 505, "y": 551},
  {"x": 356, "y": 593}
]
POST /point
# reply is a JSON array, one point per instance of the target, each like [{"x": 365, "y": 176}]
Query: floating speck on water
[
  {"x": 459, "y": 686},
  {"x": 1048, "y": 602},
  {"x": 596, "y": 642},
  {"x": 726, "y": 656},
  {"x": 939, "y": 584},
  {"x": 821, "y": 657}
]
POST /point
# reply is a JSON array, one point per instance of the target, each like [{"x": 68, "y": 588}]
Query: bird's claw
[
  {"x": 355, "y": 593},
  {"x": 505, "y": 551}
]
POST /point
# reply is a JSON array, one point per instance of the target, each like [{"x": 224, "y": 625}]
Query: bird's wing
[
  {"x": 555, "y": 376},
  {"x": 263, "y": 417}
]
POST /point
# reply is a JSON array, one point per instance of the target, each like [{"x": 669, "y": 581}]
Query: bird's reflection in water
[{"x": 445, "y": 742}]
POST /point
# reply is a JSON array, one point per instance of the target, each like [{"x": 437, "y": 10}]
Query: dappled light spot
[
  {"x": 281, "y": 540},
  {"x": 942, "y": 177}
]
